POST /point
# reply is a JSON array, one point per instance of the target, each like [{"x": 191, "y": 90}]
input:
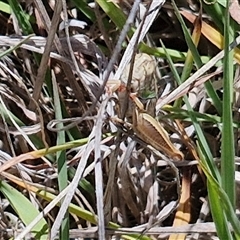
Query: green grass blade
[
  {"x": 228, "y": 153},
  {"x": 85, "y": 9},
  {"x": 22, "y": 17},
  {"x": 216, "y": 11},
  {"x": 201, "y": 117},
  {"x": 218, "y": 215},
  {"x": 11, "y": 49},
  {"x": 197, "y": 59},
  {"x": 10, "y": 118},
  {"x": 61, "y": 158},
  {"x": 83, "y": 184},
  {"x": 5, "y": 7},
  {"x": 202, "y": 140},
  {"x": 89, "y": 216},
  {"x": 25, "y": 210},
  {"x": 219, "y": 193},
  {"x": 115, "y": 13}
]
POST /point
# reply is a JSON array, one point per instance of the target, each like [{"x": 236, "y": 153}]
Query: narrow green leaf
[
  {"x": 11, "y": 49},
  {"x": 25, "y": 210},
  {"x": 202, "y": 140},
  {"x": 222, "y": 202},
  {"x": 22, "y": 17},
  {"x": 4, "y": 7},
  {"x": 197, "y": 59},
  {"x": 61, "y": 157},
  {"x": 217, "y": 211},
  {"x": 116, "y": 14},
  {"x": 228, "y": 152}
]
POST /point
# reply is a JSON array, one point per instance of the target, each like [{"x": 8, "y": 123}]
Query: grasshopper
[
  {"x": 144, "y": 125},
  {"x": 150, "y": 131}
]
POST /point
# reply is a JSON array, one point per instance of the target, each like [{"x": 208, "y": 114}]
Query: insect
[
  {"x": 144, "y": 125},
  {"x": 151, "y": 131}
]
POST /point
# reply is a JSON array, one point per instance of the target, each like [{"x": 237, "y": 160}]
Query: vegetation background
[{"x": 73, "y": 164}]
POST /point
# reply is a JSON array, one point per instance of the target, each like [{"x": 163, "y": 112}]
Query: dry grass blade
[
  {"x": 160, "y": 232},
  {"x": 138, "y": 37},
  {"x": 45, "y": 58},
  {"x": 182, "y": 216},
  {"x": 73, "y": 185},
  {"x": 195, "y": 76},
  {"x": 98, "y": 170},
  {"x": 14, "y": 161},
  {"x": 127, "y": 185}
]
